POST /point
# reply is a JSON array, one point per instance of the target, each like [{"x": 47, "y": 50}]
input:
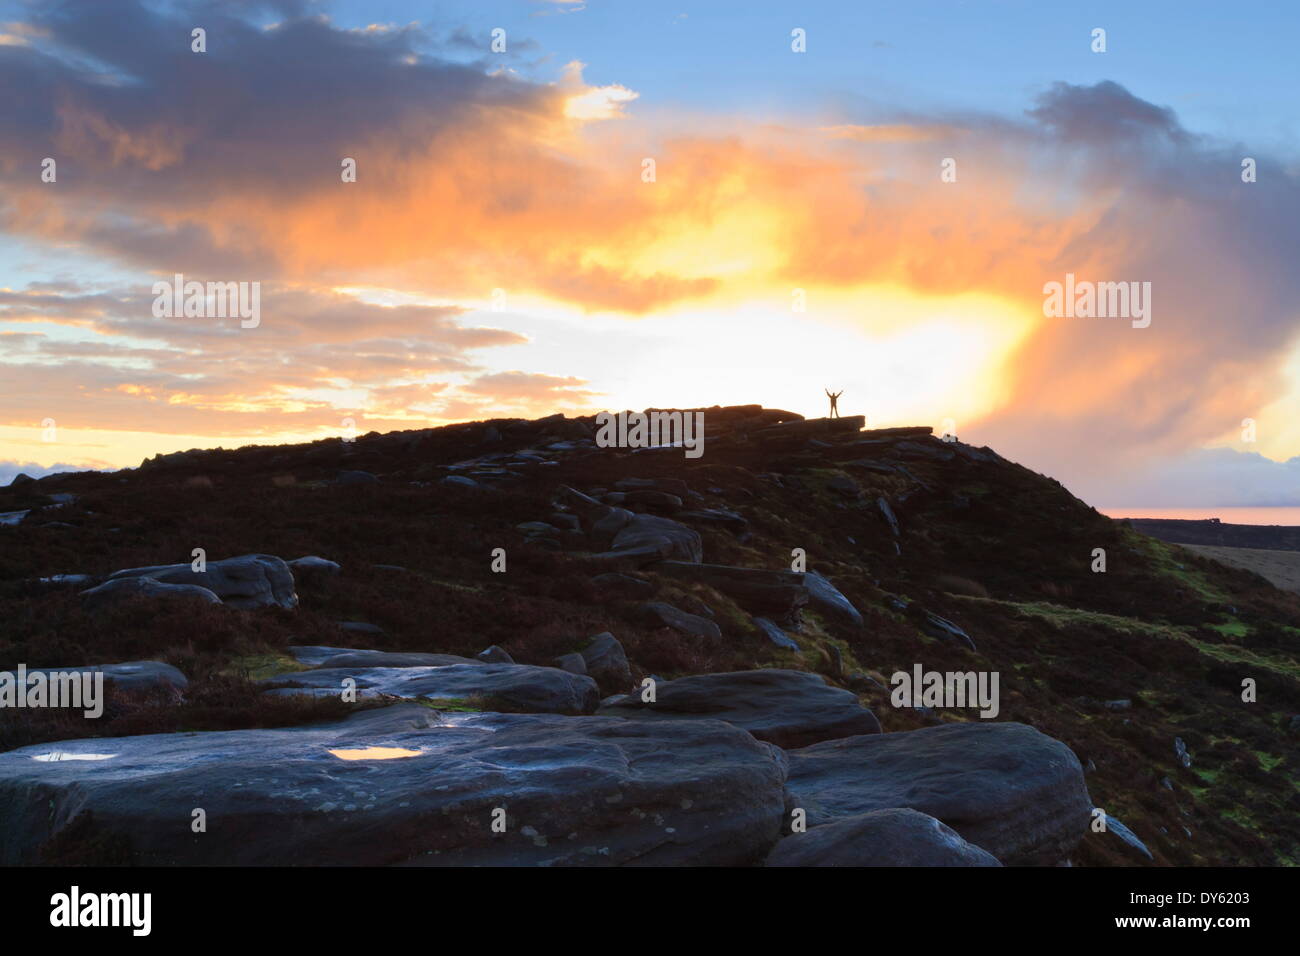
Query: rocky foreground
[{"x": 505, "y": 645}]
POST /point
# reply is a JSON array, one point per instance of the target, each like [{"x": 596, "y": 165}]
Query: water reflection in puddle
[
  {"x": 375, "y": 753},
  {"x": 58, "y": 755}
]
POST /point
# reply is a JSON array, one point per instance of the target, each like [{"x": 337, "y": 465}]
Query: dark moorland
[{"x": 955, "y": 558}]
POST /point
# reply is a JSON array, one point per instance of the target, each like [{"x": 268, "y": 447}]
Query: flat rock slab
[
  {"x": 404, "y": 784},
  {"x": 547, "y": 690},
  {"x": 897, "y": 837},
  {"x": 786, "y": 708},
  {"x": 324, "y": 656},
  {"x": 1005, "y": 787},
  {"x": 248, "y": 581}
]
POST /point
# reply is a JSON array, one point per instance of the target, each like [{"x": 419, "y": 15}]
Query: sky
[{"x": 627, "y": 204}]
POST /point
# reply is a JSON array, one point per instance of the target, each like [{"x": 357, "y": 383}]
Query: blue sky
[{"x": 1227, "y": 69}]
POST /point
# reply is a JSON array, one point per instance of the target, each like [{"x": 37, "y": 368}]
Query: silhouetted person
[{"x": 834, "y": 397}]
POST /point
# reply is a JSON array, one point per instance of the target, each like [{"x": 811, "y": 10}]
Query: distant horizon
[{"x": 1280, "y": 515}]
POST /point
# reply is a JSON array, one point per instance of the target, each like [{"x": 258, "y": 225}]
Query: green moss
[
  {"x": 1175, "y": 563},
  {"x": 456, "y": 704},
  {"x": 262, "y": 666},
  {"x": 1061, "y": 616},
  {"x": 1232, "y": 654},
  {"x": 1232, "y": 628},
  {"x": 1266, "y": 760},
  {"x": 1240, "y": 817}
]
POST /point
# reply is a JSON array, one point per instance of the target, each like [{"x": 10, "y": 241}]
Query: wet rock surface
[
  {"x": 1004, "y": 787},
  {"x": 405, "y": 784}
]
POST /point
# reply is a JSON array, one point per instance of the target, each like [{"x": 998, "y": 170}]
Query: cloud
[
  {"x": 210, "y": 376},
  {"x": 1209, "y": 477},
  {"x": 226, "y": 166}
]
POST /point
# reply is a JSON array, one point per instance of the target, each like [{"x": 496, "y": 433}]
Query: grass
[
  {"x": 1060, "y": 616},
  {"x": 257, "y": 667},
  {"x": 1266, "y": 760},
  {"x": 1282, "y": 666},
  {"x": 1232, "y": 629},
  {"x": 1170, "y": 561}
]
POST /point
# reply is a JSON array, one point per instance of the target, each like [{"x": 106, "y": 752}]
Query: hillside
[{"x": 956, "y": 559}]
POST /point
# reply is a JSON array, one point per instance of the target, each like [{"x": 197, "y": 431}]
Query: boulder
[
  {"x": 114, "y": 591},
  {"x": 658, "y": 614},
  {"x": 1118, "y": 829},
  {"x": 129, "y": 675},
  {"x": 1005, "y": 787},
  {"x": 407, "y": 785},
  {"x": 945, "y": 630},
  {"x": 494, "y": 655},
  {"x": 786, "y": 708},
  {"x": 245, "y": 582},
  {"x": 774, "y": 634},
  {"x": 935, "y": 449},
  {"x": 672, "y": 538},
  {"x": 514, "y": 686},
  {"x": 792, "y": 434},
  {"x": 638, "y": 537},
  {"x": 896, "y": 837},
  {"x": 572, "y": 663},
  {"x": 68, "y": 580},
  {"x": 606, "y": 662},
  {"x": 313, "y": 570},
  {"x": 827, "y": 599},
  {"x": 887, "y": 513}
]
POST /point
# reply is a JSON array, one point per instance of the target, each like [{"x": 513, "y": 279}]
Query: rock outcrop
[
  {"x": 1005, "y": 787},
  {"x": 246, "y": 582}
]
